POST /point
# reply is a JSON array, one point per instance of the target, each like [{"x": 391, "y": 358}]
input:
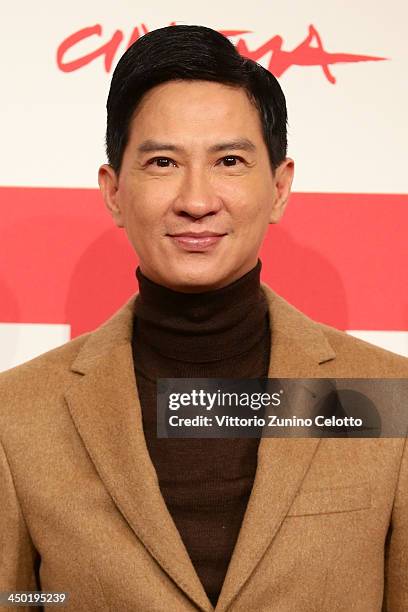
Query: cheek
[
  {"x": 256, "y": 186},
  {"x": 144, "y": 206},
  {"x": 248, "y": 204}
]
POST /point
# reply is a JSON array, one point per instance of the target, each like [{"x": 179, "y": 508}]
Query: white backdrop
[{"x": 347, "y": 134}]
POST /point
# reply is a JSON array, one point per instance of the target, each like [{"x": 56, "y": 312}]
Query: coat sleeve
[
  {"x": 396, "y": 553},
  {"x": 19, "y": 561}
]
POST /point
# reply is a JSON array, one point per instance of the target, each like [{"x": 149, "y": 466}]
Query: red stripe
[{"x": 341, "y": 258}]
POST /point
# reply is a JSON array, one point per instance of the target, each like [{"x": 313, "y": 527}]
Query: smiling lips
[{"x": 196, "y": 241}]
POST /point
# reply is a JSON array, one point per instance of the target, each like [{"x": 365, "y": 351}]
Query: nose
[{"x": 196, "y": 196}]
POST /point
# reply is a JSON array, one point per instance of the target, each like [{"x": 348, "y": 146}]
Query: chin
[{"x": 194, "y": 280}]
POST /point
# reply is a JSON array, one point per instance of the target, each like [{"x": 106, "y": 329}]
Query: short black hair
[{"x": 190, "y": 52}]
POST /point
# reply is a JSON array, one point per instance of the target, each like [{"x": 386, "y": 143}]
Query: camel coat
[{"x": 326, "y": 527}]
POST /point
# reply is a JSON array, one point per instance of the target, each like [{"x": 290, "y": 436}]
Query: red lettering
[
  {"x": 136, "y": 35},
  {"x": 280, "y": 60},
  {"x": 108, "y": 49},
  {"x": 303, "y": 55}
]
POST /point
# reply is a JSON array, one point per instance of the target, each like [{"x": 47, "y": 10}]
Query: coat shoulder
[
  {"x": 338, "y": 353},
  {"x": 56, "y": 358},
  {"x": 40, "y": 377},
  {"x": 35, "y": 386},
  {"x": 58, "y": 361},
  {"x": 368, "y": 359}
]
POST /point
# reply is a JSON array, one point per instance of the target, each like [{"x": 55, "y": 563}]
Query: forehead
[{"x": 200, "y": 110}]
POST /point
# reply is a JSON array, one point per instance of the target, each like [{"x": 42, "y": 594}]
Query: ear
[
  {"x": 283, "y": 182},
  {"x": 108, "y": 184}
]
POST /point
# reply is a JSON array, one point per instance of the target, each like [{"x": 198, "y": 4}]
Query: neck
[{"x": 203, "y": 327}]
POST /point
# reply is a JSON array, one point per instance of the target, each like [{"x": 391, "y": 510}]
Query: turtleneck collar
[{"x": 201, "y": 327}]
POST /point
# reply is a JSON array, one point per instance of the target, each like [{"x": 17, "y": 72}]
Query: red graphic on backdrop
[
  {"x": 310, "y": 52},
  {"x": 331, "y": 256}
]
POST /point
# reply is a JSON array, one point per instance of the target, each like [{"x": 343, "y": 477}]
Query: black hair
[{"x": 190, "y": 52}]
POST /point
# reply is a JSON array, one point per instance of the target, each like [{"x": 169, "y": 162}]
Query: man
[{"x": 93, "y": 503}]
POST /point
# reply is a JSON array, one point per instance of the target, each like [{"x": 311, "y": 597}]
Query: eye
[
  {"x": 161, "y": 162},
  {"x": 231, "y": 160}
]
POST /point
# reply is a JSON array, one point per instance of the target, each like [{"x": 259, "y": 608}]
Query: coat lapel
[
  {"x": 298, "y": 347},
  {"x": 105, "y": 407}
]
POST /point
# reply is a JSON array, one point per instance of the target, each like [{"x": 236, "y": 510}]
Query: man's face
[{"x": 196, "y": 163}]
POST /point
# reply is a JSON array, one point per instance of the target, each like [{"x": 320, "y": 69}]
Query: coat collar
[{"x": 105, "y": 408}]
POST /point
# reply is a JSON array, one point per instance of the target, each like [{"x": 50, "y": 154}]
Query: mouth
[{"x": 203, "y": 241}]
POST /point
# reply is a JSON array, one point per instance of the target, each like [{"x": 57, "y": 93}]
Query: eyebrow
[{"x": 242, "y": 144}]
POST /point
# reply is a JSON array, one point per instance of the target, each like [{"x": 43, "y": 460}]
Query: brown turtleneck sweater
[{"x": 206, "y": 483}]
